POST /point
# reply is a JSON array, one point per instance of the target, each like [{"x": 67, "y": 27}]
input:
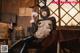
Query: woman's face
[{"x": 44, "y": 13}]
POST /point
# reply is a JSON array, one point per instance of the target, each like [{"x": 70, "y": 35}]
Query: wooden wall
[
  {"x": 0, "y": 5},
  {"x": 12, "y": 7}
]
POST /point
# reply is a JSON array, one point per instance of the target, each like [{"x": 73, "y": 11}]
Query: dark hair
[{"x": 45, "y": 8}]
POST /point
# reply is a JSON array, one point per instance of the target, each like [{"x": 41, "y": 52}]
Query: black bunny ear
[
  {"x": 38, "y": 5},
  {"x": 45, "y": 1}
]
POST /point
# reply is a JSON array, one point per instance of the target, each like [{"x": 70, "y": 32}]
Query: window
[{"x": 69, "y": 11}]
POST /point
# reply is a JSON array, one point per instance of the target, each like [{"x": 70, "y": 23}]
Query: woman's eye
[
  {"x": 39, "y": 23},
  {"x": 49, "y": 24}
]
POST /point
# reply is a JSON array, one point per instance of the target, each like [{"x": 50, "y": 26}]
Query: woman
[{"x": 43, "y": 30}]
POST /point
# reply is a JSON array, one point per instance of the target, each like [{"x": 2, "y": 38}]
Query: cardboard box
[{"x": 25, "y": 11}]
